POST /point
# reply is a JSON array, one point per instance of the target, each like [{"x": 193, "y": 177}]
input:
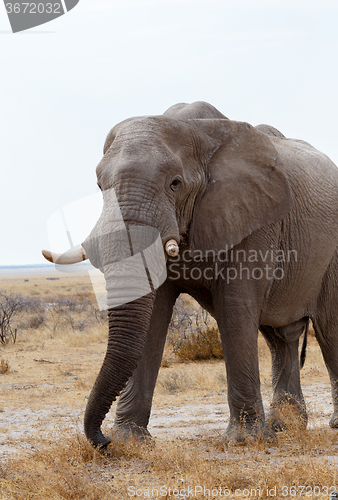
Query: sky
[{"x": 66, "y": 83}]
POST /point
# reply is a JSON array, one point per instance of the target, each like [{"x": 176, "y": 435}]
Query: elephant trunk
[{"x": 128, "y": 326}]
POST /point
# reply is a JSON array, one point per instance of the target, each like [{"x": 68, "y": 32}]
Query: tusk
[
  {"x": 72, "y": 256},
  {"x": 171, "y": 247}
]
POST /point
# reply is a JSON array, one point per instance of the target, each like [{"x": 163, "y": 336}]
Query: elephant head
[{"x": 210, "y": 180}]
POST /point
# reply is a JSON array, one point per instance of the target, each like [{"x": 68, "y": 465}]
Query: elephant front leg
[
  {"x": 239, "y": 340},
  {"x": 285, "y": 377},
  {"x": 134, "y": 405}
]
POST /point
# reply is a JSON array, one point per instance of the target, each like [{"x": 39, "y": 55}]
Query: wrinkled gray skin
[{"x": 212, "y": 184}]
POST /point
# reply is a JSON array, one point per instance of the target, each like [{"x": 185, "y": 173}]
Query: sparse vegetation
[
  {"x": 53, "y": 365},
  {"x": 179, "y": 378},
  {"x": 57, "y": 313},
  {"x": 70, "y": 469},
  {"x": 193, "y": 334}
]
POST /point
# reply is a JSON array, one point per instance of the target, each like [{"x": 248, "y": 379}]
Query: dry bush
[
  {"x": 10, "y": 305},
  {"x": 201, "y": 344},
  {"x": 193, "y": 334},
  {"x": 75, "y": 313},
  {"x": 33, "y": 321}
]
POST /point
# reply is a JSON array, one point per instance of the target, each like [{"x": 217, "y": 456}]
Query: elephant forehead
[
  {"x": 133, "y": 159},
  {"x": 152, "y": 134},
  {"x": 152, "y": 128}
]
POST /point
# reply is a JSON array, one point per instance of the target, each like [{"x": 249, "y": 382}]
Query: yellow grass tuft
[
  {"x": 70, "y": 469},
  {"x": 4, "y": 366}
]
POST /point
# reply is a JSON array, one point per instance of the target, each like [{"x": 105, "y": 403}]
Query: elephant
[{"x": 247, "y": 221}]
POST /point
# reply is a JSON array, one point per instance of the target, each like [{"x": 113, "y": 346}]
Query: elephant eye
[{"x": 175, "y": 183}]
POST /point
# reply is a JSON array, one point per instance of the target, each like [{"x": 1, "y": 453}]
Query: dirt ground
[
  {"x": 47, "y": 386},
  {"x": 43, "y": 397}
]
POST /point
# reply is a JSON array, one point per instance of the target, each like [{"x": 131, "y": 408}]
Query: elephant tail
[{"x": 304, "y": 345}]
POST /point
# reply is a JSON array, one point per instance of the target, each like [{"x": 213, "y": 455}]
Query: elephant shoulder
[{"x": 270, "y": 131}]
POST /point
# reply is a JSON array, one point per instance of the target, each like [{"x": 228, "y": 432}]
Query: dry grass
[
  {"x": 52, "y": 370},
  {"x": 42, "y": 285},
  {"x": 4, "y": 366},
  {"x": 179, "y": 378},
  {"x": 71, "y": 469}
]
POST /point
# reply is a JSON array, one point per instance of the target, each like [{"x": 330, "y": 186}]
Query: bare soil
[
  {"x": 43, "y": 397},
  {"x": 47, "y": 387}
]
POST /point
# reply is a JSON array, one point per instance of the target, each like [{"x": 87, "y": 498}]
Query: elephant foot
[
  {"x": 287, "y": 415},
  {"x": 127, "y": 432},
  {"x": 244, "y": 434},
  {"x": 334, "y": 421}
]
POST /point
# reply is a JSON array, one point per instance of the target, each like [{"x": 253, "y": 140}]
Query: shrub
[
  {"x": 10, "y": 305},
  {"x": 13, "y": 306},
  {"x": 200, "y": 345},
  {"x": 30, "y": 304},
  {"x": 193, "y": 335},
  {"x": 33, "y": 322}
]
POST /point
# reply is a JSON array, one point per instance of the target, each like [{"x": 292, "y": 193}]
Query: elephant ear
[{"x": 246, "y": 186}]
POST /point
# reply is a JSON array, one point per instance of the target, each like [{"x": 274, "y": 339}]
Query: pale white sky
[{"x": 66, "y": 83}]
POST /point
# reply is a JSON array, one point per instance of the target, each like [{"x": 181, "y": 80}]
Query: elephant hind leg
[
  {"x": 283, "y": 343},
  {"x": 326, "y": 333},
  {"x": 325, "y": 324}
]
